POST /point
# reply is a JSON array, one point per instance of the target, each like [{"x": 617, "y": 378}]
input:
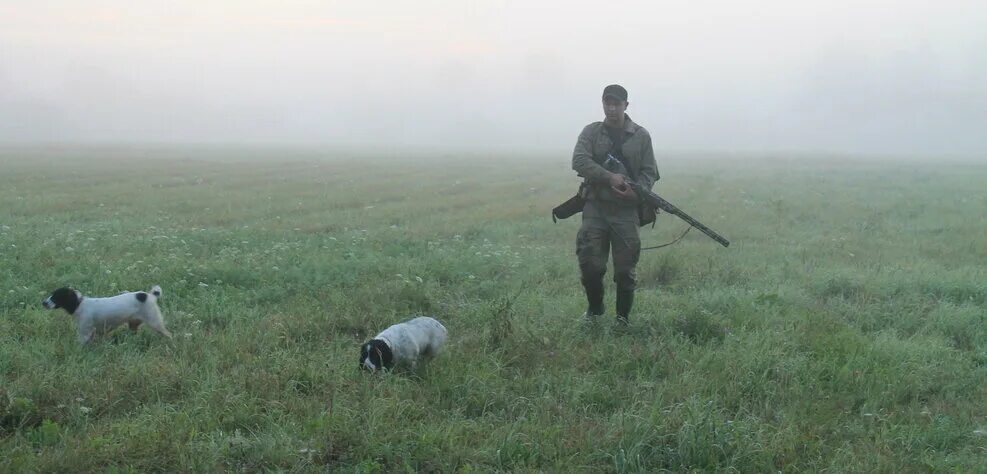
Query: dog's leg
[
  {"x": 429, "y": 352},
  {"x": 152, "y": 316},
  {"x": 86, "y": 335},
  {"x": 159, "y": 327}
]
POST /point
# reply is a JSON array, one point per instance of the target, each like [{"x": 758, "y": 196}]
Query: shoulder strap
[{"x": 619, "y": 155}]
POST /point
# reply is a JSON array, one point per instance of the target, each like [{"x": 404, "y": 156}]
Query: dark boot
[
  {"x": 625, "y": 301},
  {"x": 594, "y": 296}
]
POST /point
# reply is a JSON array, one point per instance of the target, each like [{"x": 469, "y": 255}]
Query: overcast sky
[{"x": 865, "y": 76}]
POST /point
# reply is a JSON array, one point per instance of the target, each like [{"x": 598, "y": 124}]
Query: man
[{"x": 607, "y": 155}]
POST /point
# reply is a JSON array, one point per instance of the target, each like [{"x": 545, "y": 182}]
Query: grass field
[{"x": 844, "y": 330}]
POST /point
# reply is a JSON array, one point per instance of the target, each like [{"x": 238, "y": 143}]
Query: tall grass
[{"x": 845, "y": 329}]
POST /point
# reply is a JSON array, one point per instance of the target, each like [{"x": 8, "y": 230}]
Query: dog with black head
[
  {"x": 403, "y": 344},
  {"x": 95, "y": 316}
]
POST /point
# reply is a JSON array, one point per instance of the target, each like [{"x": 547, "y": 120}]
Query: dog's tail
[{"x": 156, "y": 291}]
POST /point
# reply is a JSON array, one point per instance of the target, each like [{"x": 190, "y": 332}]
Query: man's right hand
[{"x": 617, "y": 180}]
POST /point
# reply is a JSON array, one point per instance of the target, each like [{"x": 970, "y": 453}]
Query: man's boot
[
  {"x": 594, "y": 298},
  {"x": 625, "y": 301}
]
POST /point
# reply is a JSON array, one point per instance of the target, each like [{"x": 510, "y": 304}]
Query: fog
[{"x": 866, "y": 77}]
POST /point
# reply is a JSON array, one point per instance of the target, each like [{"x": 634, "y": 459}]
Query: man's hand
[
  {"x": 624, "y": 192},
  {"x": 617, "y": 180}
]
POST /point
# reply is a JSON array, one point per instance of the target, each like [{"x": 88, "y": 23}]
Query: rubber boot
[
  {"x": 594, "y": 297},
  {"x": 625, "y": 301}
]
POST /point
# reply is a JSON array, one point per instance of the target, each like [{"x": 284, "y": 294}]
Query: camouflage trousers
[{"x": 608, "y": 227}]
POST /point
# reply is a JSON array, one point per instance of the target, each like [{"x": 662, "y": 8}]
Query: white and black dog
[
  {"x": 403, "y": 344},
  {"x": 100, "y": 315}
]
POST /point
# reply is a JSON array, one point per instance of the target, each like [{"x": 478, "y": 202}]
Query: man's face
[{"x": 614, "y": 108}]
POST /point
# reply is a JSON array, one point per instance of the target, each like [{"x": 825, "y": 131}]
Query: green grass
[{"x": 845, "y": 329}]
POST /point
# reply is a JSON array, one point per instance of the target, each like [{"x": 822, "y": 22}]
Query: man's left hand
[{"x": 624, "y": 192}]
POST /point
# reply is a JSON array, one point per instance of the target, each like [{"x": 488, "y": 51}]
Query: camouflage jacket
[{"x": 591, "y": 152}]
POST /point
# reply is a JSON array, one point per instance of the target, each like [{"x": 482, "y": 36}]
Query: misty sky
[{"x": 868, "y": 76}]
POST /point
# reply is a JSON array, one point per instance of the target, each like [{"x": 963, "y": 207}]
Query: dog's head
[
  {"x": 65, "y": 298},
  {"x": 376, "y": 355}
]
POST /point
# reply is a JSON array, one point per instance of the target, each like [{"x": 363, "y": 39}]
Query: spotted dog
[
  {"x": 96, "y": 316},
  {"x": 403, "y": 344}
]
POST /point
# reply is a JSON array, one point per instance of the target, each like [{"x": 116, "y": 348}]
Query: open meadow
[{"x": 844, "y": 329}]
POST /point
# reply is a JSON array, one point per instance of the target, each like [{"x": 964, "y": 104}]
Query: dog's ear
[{"x": 386, "y": 356}]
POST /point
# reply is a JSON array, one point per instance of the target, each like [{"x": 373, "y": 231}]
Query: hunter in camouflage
[{"x": 607, "y": 155}]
